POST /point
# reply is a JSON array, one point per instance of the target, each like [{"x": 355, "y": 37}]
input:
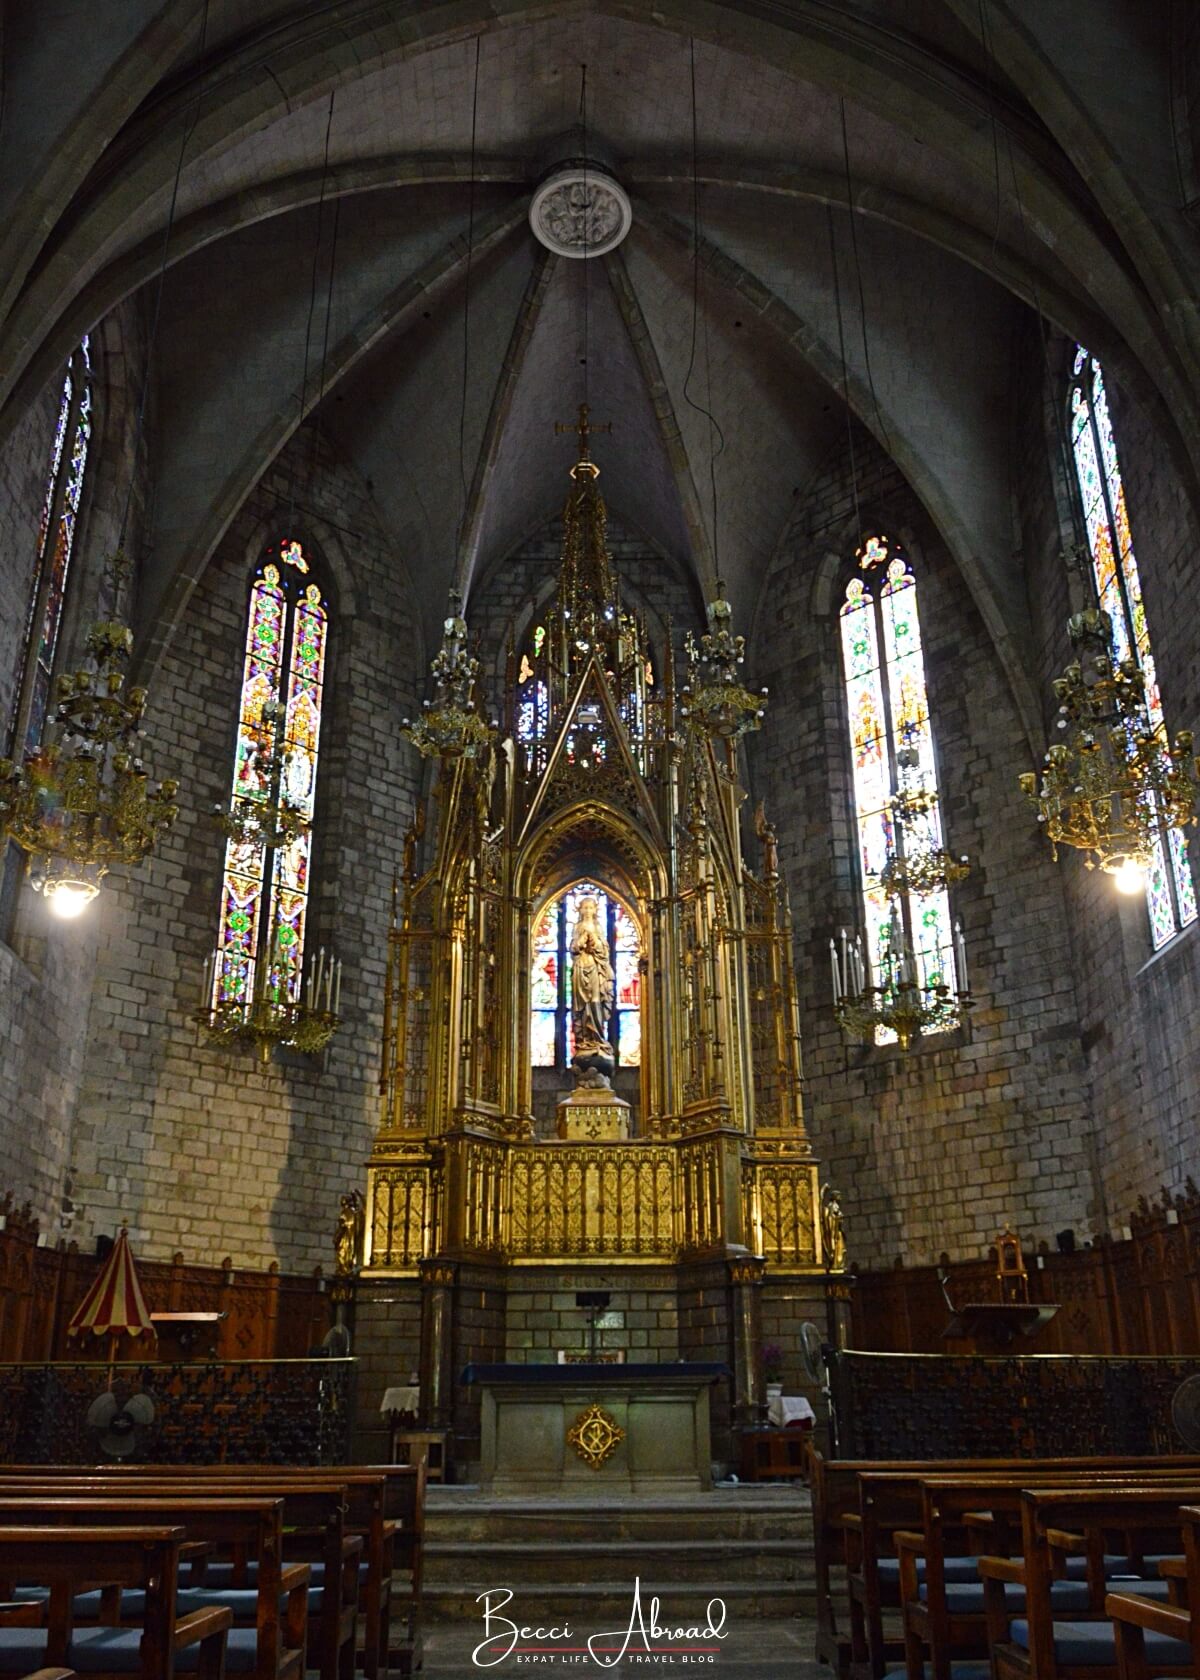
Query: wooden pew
[
  {"x": 275, "y": 1648},
  {"x": 942, "y": 1608},
  {"x": 860, "y": 1534},
  {"x": 314, "y": 1514},
  {"x": 1057, "y": 1522},
  {"x": 393, "y": 1532},
  {"x": 1134, "y": 1618},
  {"x": 142, "y": 1558}
]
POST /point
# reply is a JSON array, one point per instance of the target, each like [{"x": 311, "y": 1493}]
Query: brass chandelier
[
  {"x": 84, "y": 801},
  {"x": 896, "y": 1001},
  {"x": 451, "y": 726},
  {"x": 1113, "y": 784},
  {"x": 919, "y": 862},
  {"x": 714, "y": 696},
  {"x": 266, "y": 816},
  {"x": 269, "y": 1015}
]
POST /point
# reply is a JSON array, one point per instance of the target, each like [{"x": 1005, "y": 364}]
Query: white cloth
[
  {"x": 403, "y": 1399},
  {"x": 789, "y": 1408}
]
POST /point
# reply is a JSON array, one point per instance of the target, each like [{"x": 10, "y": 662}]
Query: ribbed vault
[{"x": 986, "y": 175}]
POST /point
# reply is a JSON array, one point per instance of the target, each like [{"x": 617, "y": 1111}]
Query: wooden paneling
[
  {"x": 1140, "y": 1295},
  {"x": 267, "y": 1315}
]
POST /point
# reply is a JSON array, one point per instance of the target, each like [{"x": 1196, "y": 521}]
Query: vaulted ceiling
[{"x": 1002, "y": 153}]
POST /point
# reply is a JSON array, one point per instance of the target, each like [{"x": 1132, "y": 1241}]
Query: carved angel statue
[
  {"x": 593, "y": 985},
  {"x": 832, "y": 1240},
  {"x": 351, "y": 1228}
]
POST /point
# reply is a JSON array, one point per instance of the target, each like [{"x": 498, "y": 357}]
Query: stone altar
[{"x": 595, "y": 1429}]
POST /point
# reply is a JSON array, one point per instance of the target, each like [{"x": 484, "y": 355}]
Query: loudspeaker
[
  {"x": 593, "y": 1298},
  {"x": 104, "y": 1247},
  {"x": 1066, "y": 1242}
]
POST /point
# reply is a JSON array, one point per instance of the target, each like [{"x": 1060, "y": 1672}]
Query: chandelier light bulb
[
  {"x": 1130, "y": 878},
  {"x": 69, "y": 899}
]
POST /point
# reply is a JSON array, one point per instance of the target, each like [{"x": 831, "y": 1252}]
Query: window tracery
[
  {"x": 266, "y": 879},
  {"x": 894, "y": 773}
]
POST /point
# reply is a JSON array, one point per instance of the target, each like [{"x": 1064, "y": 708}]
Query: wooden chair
[
  {"x": 141, "y": 1558},
  {"x": 1133, "y": 1618},
  {"x": 1057, "y": 1524}
]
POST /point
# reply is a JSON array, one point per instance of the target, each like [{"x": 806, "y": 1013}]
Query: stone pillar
[
  {"x": 745, "y": 1324},
  {"x": 438, "y": 1278}
]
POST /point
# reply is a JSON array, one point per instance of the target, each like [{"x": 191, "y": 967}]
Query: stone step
[
  {"x": 537, "y": 1560},
  {"x": 460, "y": 1514},
  {"x": 590, "y": 1606}
]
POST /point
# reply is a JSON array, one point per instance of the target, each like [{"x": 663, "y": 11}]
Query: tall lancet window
[
  {"x": 265, "y": 887},
  {"x": 55, "y": 547},
  {"x": 1170, "y": 892},
  {"x": 891, "y": 744}
]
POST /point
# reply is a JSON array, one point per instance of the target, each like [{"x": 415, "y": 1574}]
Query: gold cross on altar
[{"x": 584, "y": 428}]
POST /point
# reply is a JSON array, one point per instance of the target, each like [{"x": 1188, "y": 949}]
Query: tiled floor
[{"x": 757, "y": 1650}]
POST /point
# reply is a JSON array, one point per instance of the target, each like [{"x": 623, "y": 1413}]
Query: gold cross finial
[{"x": 584, "y": 428}]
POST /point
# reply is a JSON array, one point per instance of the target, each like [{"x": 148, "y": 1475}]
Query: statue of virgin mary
[{"x": 592, "y": 981}]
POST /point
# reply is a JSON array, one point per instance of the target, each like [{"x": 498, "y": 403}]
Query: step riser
[
  {"x": 581, "y": 1529},
  {"x": 680, "y": 1603},
  {"x": 582, "y": 1566}
]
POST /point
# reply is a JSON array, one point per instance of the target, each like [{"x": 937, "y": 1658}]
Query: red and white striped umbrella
[{"x": 114, "y": 1305}]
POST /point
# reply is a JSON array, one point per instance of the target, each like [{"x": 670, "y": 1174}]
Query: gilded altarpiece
[{"x": 610, "y": 770}]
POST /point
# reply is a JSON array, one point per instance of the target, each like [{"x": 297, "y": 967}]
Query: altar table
[{"x": 639, "y": 1428}]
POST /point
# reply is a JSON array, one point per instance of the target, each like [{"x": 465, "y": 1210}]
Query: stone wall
[
  {"x": 206, "y": 1147},
  {"x": 1138, "y": 1010},
  {"x": 47, "y": 965},
  {"x": 934, "y": 1150}
]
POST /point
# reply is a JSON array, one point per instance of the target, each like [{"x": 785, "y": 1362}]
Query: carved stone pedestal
[{"x": 593, "y": 1116}]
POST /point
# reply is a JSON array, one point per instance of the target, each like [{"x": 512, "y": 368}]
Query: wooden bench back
[
  {"x": 68, "y": 1560},
  {"x": 252, "y": 1522}
]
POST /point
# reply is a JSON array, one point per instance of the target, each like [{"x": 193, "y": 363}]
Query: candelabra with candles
[
  {"x": 267, "y": 1013},
  {"x": 1114, "y": 783},
  {"x": 898, "y": 1001}
]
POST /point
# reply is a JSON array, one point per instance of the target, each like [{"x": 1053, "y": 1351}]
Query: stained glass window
[
  {"x": 265, "y": 888},
  {"x": 65, "y": 478},
  {"x": 550, "y": 978},
  {"x": 891, "y": 745},
  {"x": 532, "y": 720},
  {"x": 1170, "y": 890}
]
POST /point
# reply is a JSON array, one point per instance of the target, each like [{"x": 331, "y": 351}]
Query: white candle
[
  {"x": 837, "y": 979},
  {"x": 845, "y": 967},
  {"x": 960, "y": 946},
  {"x": 206, "y": 983},
  {"x": 337, "y": 990},
  {"x": 320, "y": 968},
  {"x": 308, "y": 989}
]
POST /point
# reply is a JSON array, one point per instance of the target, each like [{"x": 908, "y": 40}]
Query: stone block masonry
[
  {"x": 935, "y": 1150},
  {"x": 196, "y": 1145}
]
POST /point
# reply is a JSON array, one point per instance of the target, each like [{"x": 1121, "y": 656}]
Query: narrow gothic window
[
  {"x": 532, "y": 720},
  {"x": 550, "y": 984},
  {"x": 265, "y": 887},
  {"x": 891, "y": 745},
  {"x": 55, "y": 547},
  {"x": 1170, "y": 892}
]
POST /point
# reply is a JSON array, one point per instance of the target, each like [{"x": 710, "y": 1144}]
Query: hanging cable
[
  {"x": 837, "y": 298},
  {"x": 1042, "y": 325},
  {"x": 862, "y": 302},
  {"x": 312, "y": 310},
  {"x": 714, "y": 429},
  {"x": 586, "y": 227},
  {"x": 466, "y": 349},
  {"x": 189, "y": 129}
]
